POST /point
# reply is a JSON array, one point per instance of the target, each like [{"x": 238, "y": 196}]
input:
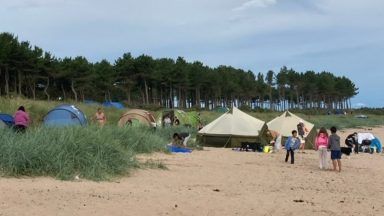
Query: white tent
[
  {"x": 287, "y": 122},
  {"x": 231, "y": 128}
]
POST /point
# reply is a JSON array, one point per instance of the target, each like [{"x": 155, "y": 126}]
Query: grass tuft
[{"x": 90, "y": 152}]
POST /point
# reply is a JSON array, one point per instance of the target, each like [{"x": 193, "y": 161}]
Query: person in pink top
[
  {"x": 321, "y": 143},
  {"x": 21, "y": 119}
]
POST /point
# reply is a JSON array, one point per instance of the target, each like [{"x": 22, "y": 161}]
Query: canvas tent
[
  {"x": 7, "y": 119},
  {"x": 65, "y": 115},
  {"x": 231, "y": 129},
  {"x": 287, "y": 122},
  {"x": 137, "y": 117}
]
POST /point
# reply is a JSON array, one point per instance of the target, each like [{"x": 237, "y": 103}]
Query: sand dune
[{"x": 212, "y": 182}]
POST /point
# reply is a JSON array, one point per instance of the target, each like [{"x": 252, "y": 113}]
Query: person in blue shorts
[{"x": 334, "y": 145}]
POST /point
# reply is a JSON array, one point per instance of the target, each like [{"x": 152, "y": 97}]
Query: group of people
[
  {"x": 323, "y": 144},
  {"x": 168, "y": 122}
]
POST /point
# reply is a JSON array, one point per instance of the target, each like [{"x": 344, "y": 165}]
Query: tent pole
[{"x": 227, "y": 141}]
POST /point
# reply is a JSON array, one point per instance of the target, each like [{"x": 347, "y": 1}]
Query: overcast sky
[{"x": 345, "y": 37}]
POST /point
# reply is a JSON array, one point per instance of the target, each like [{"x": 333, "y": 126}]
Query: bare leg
[
  {"x": 302, "y": 146},
  {"x": 334, "y": 165},
  {"x": 339, "y": 164}
]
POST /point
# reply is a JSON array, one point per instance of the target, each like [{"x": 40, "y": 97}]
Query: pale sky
[{"x": 345, "y": 37}]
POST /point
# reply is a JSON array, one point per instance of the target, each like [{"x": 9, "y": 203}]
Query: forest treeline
[{"x": 31, "y": 72}]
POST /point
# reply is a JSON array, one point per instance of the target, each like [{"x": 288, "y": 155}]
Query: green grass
[
  {"x": 153, "y": 164},
  {"x": 90, "y": 152}
]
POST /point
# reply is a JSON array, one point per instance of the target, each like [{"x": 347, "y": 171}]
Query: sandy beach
[{"x": 213, "y": 181}]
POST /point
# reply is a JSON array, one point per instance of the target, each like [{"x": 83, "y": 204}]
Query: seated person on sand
[
  {"x": 177, "y": 140},
  {"x": 351, "y": 141},
  {"x": 180, "y": 139}
]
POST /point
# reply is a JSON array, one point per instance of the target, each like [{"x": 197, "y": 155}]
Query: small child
[
  {"x": 292, "y": 143},
  {"x": 321, "y": 142},
  {"x": 334, "y": 145}
]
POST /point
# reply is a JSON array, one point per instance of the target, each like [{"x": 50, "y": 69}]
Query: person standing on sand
[
  {"x": 334, "y": 145},
  {"x": 302, "y": 130},
  {"x": 292, "y": 143},
  {"x": 321, "y": 144}
]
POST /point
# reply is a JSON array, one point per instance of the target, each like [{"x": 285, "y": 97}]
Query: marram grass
[{"x": 88, "y": 152}]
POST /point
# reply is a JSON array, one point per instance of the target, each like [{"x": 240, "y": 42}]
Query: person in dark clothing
[
  {"x": 351, "y": 141},
  {"x": 177, "y": 140},
  {"x": 180, "y": 139},
  {"x": 334, "y": 145},
  {"x": 176, "y": 121}
]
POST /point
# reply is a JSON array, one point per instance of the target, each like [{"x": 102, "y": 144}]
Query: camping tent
[
  {"x": 116, "y": 105},
  {"x": 7, "y": 119},
  {"x": 137, "y": 116},
  {"x": 231, "y": 129},
  {"x": 185, "y": 118},
  {"x": 65, "y": 115},
  {"x": 287, "y": 122}
]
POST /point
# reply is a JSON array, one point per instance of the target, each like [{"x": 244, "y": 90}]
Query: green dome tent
[{"x": 190, "y": 119}]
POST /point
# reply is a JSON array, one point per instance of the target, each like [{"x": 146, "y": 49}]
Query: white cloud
[
  {"x": 359, "y": 105},
  {"x": 255, "y": 4}
]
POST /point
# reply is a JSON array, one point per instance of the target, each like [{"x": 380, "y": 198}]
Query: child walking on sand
[
  {"x": 322, "y": 146},
  {"x": 292, "y": 143},
  {"x": 334, "y": 145}
]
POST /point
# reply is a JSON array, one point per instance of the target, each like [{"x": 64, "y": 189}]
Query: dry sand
[{"x": 212, "y": 182}]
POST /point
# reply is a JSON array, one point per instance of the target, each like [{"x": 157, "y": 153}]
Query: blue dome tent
[
  {"x": 65, "y": 115},
  {"x": 7, "y": 119},
  {"x": 116, "y": 105}
]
